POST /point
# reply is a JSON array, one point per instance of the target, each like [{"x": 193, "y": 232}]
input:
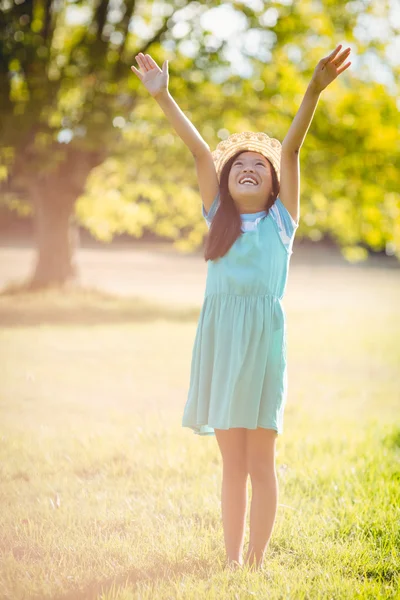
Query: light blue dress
[{"x": 239, "y": 370}]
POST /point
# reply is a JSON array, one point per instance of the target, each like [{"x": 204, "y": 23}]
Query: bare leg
[
  {"x": 261, "y": 462},
  {"x": 234, "y": 506},
  {"x": 232, "y": 443}
]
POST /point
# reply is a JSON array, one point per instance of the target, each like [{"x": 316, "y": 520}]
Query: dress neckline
[{"x": 251, "y": 216}]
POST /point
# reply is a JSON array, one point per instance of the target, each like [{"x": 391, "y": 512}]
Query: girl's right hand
[{"x": 153, "y": 78}]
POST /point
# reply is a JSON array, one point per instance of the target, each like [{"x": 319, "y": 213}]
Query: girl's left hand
[{"x": 329, "y": 68}]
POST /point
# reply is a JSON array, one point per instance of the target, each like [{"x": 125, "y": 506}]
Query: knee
[
  {"x": 235, "y": 468},
  {"x": 260, "y": 471}
]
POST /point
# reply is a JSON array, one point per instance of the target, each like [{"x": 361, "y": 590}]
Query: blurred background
[{"x": 88, "y": 156}]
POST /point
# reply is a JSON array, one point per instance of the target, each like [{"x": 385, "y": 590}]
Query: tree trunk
[
  {"x": 53, "y": 195},
  {"x": 56, "y": 240}
]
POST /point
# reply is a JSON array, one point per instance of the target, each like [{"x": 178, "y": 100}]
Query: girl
[{"x": 238, "y": 382}]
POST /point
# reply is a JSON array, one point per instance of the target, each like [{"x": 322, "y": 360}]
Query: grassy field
[{"x": 104, "y": 495}]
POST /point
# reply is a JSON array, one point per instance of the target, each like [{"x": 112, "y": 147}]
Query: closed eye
[{"x": 258, "y": 163}]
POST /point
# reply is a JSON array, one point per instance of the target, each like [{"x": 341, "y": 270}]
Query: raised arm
[
  {"x": 156, "y": 82},
  {"x": 325, "y": 72}
]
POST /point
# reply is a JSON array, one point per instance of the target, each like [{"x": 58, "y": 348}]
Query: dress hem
[{"x": 196, "y": 428}]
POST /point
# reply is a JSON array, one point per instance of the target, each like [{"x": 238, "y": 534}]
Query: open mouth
[{"x": 247, "y": 181}]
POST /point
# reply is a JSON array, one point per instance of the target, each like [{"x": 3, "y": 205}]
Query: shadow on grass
[
  {"x": 162, "y": 570},
  {"x": 84, "y": 307}
]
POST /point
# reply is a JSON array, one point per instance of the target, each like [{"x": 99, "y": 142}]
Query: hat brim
[{"x": 250, "y": 142}]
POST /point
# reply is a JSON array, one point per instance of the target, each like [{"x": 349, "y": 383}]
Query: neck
[{"x": 250, "y": 210}]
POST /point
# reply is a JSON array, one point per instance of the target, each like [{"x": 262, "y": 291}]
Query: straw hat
[{"x": 251, "y": 142}]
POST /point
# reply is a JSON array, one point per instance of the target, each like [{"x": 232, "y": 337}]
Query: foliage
[{"x": 67, "y": 89}]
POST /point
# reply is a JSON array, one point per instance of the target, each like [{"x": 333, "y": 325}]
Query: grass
[{"x": 104, "y": 495}]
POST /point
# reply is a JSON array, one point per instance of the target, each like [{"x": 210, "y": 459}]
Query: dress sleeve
[
  {"x": 213, "y": 209},
  {"x": 284, "y": 223}
]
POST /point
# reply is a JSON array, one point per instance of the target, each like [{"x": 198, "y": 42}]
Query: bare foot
[
  {"x": 252, "y": 564},
  {"x": 233, "y": 565}
]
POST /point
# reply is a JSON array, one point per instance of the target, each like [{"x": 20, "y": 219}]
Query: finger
[
  {"x": 346, "y": 66},
  {"x": 152, "y": 62},
  {"x": 332, "y": 54},
  {"x": 140, "y": 70},
  {"x": 140, "y": 62},
  {"x": 341, "y": 58},
  {"x": 143, "y": 62},
  {"x": 147, "y": 62},
  {"x": 344, "y": 53},
  {"x": 138, "y": 73}
]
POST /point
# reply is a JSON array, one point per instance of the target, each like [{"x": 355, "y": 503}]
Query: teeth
[{"x": 248, "y": 181}]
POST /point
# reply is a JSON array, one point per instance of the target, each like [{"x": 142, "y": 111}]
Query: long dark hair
[{"x": 226, "y": 225}]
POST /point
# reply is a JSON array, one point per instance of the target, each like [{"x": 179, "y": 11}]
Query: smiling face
[{"x": 250, "y": 182}]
